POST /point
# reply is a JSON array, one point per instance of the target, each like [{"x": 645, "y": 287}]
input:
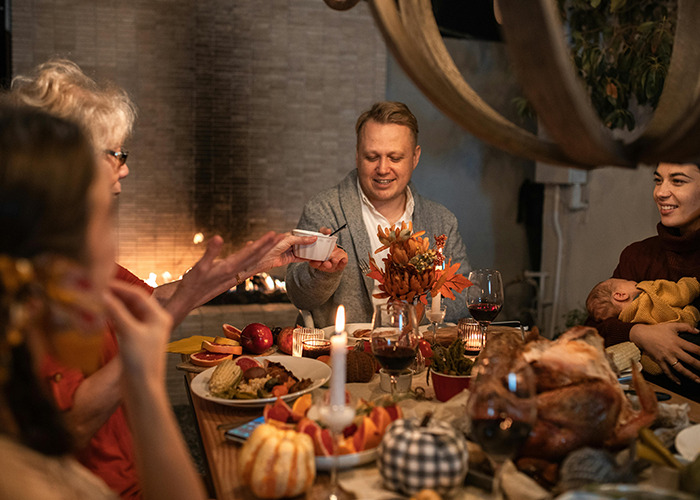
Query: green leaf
[{"x": 616, "y": 5}]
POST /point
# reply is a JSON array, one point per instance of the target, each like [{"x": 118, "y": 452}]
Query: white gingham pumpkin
[{"x": 414, "y": 457}]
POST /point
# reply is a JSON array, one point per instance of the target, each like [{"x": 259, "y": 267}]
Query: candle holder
[
  {"x": 300, "y": 334},
  {"x": 316, "y": 347},
  {"x": 472, "y": 335}
]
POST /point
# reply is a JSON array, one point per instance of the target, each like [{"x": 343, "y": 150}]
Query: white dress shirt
[{"x": 372, "y": 218}]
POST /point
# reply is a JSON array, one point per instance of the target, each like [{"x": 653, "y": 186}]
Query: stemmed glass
[
  {"x": 394, "y": 338},
  {"x": 336, "y": 418},
  {"x": 502, "y": 408},
  {"x": 485, "y": 296},
  {"x": 435, "y": 315}
]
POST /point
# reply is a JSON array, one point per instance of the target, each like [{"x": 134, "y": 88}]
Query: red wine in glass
[
  {"x": 484, "y": 312},
  {"x": 485, "y": 296},
  {"x": 395, "y": 358},
  {"x": 394, "y": 338}
]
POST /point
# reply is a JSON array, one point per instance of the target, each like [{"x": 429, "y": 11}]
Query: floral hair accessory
[
  {"x": 53, "y": 295},
  {"x": 412, "y": 269}
]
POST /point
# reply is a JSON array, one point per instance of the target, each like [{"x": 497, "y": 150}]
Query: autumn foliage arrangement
[{"x": 412, "y": 269}]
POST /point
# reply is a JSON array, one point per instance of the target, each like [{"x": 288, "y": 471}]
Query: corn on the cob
[
  {"x": 225, "y": 379},
  {"x": 623, "y": 355}
]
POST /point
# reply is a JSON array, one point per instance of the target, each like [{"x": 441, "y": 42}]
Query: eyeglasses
[{"x": 121, "y": 156}]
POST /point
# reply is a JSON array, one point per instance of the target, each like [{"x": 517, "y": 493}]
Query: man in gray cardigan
[{"x": 378, "y": 192}]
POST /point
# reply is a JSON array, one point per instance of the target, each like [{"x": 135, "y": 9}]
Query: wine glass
[
  {"x": 336, "y": 418},
  {"x": 435, "y": 315},
  {"x": 502, "y": 408},
  {"x": 485, "y": 296},
  {"x": 394, "y": 338}
]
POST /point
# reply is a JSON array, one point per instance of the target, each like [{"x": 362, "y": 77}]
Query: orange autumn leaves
[{"x": 411, "y": 267}]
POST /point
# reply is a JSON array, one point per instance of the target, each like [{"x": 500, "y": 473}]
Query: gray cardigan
[{"x": 321, "y": 292}]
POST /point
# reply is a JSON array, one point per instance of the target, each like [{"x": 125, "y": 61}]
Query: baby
[{"x": 648, "y": 302}]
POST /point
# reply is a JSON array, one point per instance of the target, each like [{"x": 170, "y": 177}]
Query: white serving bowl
[
  {"x": 321, "y": 249},
  {"x": 403, "y": 381}
]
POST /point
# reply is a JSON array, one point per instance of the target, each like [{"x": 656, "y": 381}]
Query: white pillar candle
[
  {"x": 339, "y": 351},
  {"x": 435, "y": 306}
]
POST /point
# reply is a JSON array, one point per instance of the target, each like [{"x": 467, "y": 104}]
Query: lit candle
[
  {"x": 435, "y": 306},
  {"x": 339, "y": 350}
]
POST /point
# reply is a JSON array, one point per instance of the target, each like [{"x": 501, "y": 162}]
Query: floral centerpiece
[{"x": 412, "y": 269}]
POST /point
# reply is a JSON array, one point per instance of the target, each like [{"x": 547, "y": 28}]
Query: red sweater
[
  {"x": 110, "y": 453},
  {"x": 665, "y": 256}
]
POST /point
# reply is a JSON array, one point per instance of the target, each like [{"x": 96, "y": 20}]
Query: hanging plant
[{"x": 622, "y": 50}]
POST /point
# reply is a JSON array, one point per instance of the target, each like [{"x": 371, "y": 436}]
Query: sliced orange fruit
[
  {"x": 324, "y": 443},
  {"x": 231, "y": 331},
  {"x": 394, "y": 411},
  {"x": 381, "y": 418},
  {"x": 346, "y": 446},
  {"x": 279, "y": 411},
  {"x": 302, "y": 405},
  {"x": 367, "y": 435}
]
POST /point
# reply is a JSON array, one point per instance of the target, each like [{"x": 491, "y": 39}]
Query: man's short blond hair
[{"x": 388, "y": 112}]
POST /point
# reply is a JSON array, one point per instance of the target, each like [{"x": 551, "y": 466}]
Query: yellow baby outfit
[{"x": 663, "y": 301}]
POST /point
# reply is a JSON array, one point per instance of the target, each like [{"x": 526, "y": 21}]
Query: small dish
[
  {"x": 403, "y": 381},
  {"x": 688, "y": 442},
  {"x": 321, "y": 249}
]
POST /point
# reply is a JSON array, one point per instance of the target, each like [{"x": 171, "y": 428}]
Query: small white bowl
[
  {"x": 403, "y": 381},
  {"x": 321, "y": 249}
]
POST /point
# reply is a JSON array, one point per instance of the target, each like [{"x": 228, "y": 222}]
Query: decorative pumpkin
[
  {"x": 360, "y": 365},
  {"x": 277, "y": 463},
  {"x": 416, "y": 455}
]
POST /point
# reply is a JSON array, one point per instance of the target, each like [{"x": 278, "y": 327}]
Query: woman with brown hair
[
  {"x": 672, "y": 254},
  {"x": 56, "y": 294}
]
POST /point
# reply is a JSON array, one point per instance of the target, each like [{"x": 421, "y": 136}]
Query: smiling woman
[
  {"x": 673, "y": 254},
  {"x": 677, "y": 194}
]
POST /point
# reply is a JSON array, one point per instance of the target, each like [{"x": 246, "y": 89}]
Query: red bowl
[{"x": 447, "y": 386}]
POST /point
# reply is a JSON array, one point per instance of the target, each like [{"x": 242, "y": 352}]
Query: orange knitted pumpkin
[{"x": 276, "y": 463}]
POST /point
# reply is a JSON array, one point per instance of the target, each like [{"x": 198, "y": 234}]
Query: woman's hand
[
  {"x": 283, "y": 252},
  {"x": 212, "y": 276},
  {"x": 143, "y": 329},
  {"x": 662, "y": 343}
]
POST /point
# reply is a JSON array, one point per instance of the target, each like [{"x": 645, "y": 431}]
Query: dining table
[{"x": 213, "y": 419}]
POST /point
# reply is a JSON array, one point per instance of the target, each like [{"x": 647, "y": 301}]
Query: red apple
[
  {"x": 284, "y": 340},
  {"x": 256, "y": 338}
]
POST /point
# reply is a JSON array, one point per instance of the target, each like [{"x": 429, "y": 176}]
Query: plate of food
[
  {"x": 362, "y": 331},
  {"x": 347, "y": 461},
  {"x": 355, "y": 331},
  {"x": 301, "y": 375}
]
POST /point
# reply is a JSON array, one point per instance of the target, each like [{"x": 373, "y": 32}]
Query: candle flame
[
  {"x": 340, "y": 319},
  {"x": 152, "y": 280},
  {"x": 198, "y": 238}
]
